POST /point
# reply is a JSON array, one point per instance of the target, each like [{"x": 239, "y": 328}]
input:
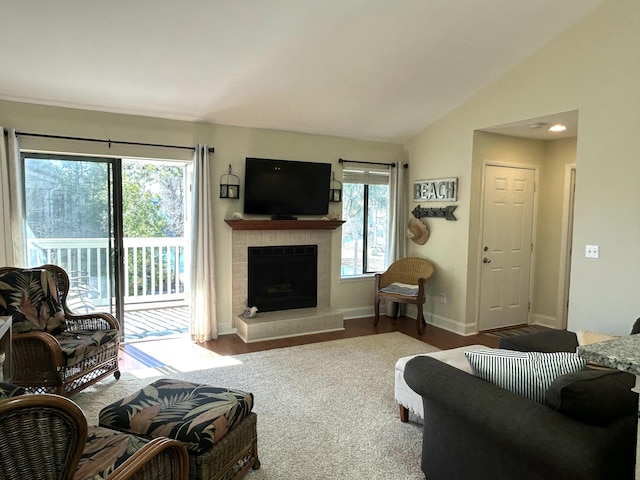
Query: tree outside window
[{"x": 365, "y": 209}]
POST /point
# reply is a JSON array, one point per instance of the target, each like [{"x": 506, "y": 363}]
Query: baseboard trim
[
  {"x": 358, "y": 312},
  {"x": 451, "y": 325},
  {"x": 226, "y": 329},
  {"x": 544, "y": 321}
]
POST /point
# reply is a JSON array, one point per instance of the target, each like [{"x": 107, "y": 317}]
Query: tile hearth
[{"x": 288, "y": 323}]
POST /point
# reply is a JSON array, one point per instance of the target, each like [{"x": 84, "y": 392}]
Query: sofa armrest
[{"x": 512, "y": 432}]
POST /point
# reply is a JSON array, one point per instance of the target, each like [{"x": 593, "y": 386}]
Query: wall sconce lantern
[
  {"x": 335, "y": 190},
  {"x": 230, "y": 185}
]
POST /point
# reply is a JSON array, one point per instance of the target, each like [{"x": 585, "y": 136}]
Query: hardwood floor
[
  {"x": 227, "y": 345},
  {"x": 232, "y": 344}
]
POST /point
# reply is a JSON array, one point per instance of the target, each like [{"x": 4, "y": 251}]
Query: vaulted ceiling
[{"x": 371, "y": 69}]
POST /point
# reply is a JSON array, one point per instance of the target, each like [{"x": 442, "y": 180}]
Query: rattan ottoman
[{"x": 216, "y": 424}]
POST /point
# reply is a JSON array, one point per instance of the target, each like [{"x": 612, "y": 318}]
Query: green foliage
[
  {"x": 153, "y": 203},
  {"x": 141, "y": 216},
  {"x": 71, "y": 198},
  {"x": 67, "y": 199}
]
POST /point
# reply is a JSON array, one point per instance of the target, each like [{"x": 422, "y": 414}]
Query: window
[{"x": 365, "y": 233}]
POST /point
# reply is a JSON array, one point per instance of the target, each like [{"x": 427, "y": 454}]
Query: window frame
[{"x": 367, "y": 178}]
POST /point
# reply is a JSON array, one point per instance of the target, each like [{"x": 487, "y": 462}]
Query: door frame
[
  {"x": 480, "y": 241},
  {"x": 566, "y": 245},
  {"x": 114, "y": 189}
]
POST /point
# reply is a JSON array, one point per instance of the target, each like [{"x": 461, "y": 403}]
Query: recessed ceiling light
[
  {"x": 538, "y": 125},
  {"x": 557, "y": 128}
]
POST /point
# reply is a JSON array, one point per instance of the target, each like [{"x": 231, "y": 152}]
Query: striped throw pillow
[{"x": 526, "y": 373}]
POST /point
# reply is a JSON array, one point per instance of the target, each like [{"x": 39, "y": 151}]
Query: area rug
[{"x": 325, "y": 410}]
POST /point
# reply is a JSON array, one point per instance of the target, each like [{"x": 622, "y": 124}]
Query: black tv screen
[{"x": 283, "y": 188}]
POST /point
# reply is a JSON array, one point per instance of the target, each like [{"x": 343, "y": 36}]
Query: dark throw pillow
[
  {"x": 593, "y": 396},
  {"x": 636, "y": 327}
]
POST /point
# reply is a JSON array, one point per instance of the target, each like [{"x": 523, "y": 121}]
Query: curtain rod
[
  {"x": 109, "y": 141},
  {"x": 392, "y": 165}
]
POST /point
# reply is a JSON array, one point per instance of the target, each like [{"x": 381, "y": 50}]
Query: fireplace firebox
[{"x": 282, "y": 277}]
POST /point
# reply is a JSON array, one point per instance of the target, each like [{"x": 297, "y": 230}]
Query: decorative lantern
[
  {"x": 335, "y": 190},
  {"x": 229, "y": 185}
]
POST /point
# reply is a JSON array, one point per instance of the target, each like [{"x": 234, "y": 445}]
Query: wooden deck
[{"x": 155, "y": 323}]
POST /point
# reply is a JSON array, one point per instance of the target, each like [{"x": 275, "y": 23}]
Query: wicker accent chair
[
  {"x": 403, "y": 282},
  {"x": 41, "y": 436},
  {"x": 54, "y": 350},
  {"x": 160, "y": 459},
  {"x": 46, "y": 437}
]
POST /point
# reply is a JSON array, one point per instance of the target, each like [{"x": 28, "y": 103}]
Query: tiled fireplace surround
[{"x": 285, "y": 323}]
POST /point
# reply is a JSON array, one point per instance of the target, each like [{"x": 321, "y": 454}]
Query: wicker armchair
[
  {"x": 160, "y": 459},
  {"x": 41, "y": 436},
  {"x": 46, "y": 437},
  {"x": 403, "y": 282},
  {"x": 54, "y": 350},
  {"x": 115, "y": 455}
]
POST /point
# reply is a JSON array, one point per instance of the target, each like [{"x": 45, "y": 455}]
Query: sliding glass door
[
  {"x": 72, "y": 221},
  {"x": 118, "y": 226}
]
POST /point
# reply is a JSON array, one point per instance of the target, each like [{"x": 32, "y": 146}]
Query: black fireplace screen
[{"x": 283, "y": 277}]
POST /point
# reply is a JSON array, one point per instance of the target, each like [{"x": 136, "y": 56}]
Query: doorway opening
[{"x": 531, "y": 143}]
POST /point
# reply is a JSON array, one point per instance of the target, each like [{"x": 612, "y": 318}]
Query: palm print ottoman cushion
[{"x": 198, "y": 415}]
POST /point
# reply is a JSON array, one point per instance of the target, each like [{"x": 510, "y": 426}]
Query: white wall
[
  {"x": 593, "y": 67},
  {"x": 232, "y": 145}
]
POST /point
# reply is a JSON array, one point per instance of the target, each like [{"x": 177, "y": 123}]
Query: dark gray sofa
[{"x": 474, "y": 430}]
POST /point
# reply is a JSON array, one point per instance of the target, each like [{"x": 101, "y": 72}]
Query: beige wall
[
  {"x": 232, "y": 145},
  {"x": 594, "y": 68}
]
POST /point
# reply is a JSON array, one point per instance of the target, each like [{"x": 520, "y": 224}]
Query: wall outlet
[
  {"x": 443, "y": 298},
  {"x": 592, "y": 251}
]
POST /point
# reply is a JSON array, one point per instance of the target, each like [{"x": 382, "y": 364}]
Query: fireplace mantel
[{"x": 284, "y": 224}]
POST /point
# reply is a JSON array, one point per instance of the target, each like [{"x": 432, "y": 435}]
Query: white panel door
[{"x": 506, "y": 247}]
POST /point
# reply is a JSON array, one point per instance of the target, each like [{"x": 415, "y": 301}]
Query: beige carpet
[{"x": 325, "y": 410}]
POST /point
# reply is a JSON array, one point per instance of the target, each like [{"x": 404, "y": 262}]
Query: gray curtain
[
  {"x": 204, "y": 324},
  {"x": 398, "y": 210},
  {"x": 12, "y": 246},
  {"x": 397, "y": 222}
]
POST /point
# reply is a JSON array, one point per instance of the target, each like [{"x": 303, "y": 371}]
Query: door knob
[{"x": 486, "y": 260}]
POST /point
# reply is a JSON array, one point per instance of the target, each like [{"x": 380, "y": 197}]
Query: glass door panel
[{"x": 69, "y": 205}]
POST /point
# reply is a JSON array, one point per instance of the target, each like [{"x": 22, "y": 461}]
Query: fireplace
[{"x": 282, "y": 277}]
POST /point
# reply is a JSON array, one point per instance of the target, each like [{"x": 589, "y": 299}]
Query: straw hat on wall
[{"x": 417, "y": 231}]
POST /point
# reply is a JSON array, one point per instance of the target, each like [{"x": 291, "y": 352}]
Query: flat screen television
[{"x": 284, "y": 188}]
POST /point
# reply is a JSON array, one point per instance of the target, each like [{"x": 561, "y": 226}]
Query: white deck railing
[{"x": 154, "y": 267}]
